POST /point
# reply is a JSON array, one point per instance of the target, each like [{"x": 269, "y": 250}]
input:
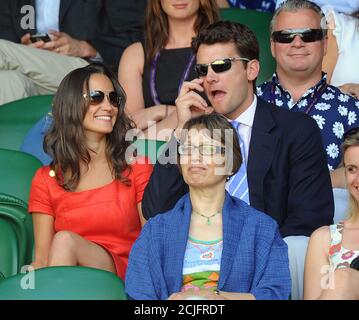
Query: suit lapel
[
  {"x": 232, "y": 230},
  {"x": 64, "y": 6},
  {"x": 261, "y": 151}
]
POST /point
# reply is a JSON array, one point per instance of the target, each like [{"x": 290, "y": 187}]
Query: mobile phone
[{"x": 40, "y": 36}]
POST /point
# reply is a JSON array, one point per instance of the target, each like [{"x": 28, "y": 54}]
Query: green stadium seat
[
  {"x": 258, "y": 22},
  {"x": 16, "y": 235},
  {"x": 16, "y": 171},
  {"x": 63, "y": 283},
  {"x": 17, "y": 117},
  {"x": 9, "y": 251},
  {"x": 149, "y": 148}
]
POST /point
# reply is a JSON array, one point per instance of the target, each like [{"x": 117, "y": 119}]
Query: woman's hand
[{"x": 202, "y": 294}]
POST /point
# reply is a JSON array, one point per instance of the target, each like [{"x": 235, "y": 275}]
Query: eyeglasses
[
  {"x": 306, "y": 34},
  {"x": 97, "y": 96},
  {"x": 351, "y": 132},
  {"x": 204, "y": 149},
  {"x": 217, "y": 66}
]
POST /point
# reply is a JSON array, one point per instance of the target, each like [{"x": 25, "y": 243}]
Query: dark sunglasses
[
  {"x": 96, "y": 97},
  {"x": 306, "y": 34},
  {"x": 217, "y": 66}
]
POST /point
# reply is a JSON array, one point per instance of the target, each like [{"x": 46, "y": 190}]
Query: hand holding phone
[{"x": 40, "y": 37}]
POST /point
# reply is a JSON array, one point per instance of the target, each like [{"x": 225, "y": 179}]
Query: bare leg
[{"x": 70, "y": 249}]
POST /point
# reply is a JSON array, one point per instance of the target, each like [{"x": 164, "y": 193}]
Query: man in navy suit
[{"x": 287, "y": 175}]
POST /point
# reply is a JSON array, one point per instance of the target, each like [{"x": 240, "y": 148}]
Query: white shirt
[
  {"x": 346, "y": 6},
  {"x": 346, "y": 34},
  {"x": 246, "y": 123},
  {"x": 47, "y": 15}
]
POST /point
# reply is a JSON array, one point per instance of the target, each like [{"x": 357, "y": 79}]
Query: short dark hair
[
  {"x": 217, "y": 124},
  {"x": 239, "y": 34}
]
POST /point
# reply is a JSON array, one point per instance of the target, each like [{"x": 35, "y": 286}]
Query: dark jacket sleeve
[
  {"x": 122, "y": 26},
  {"x": 7, "y": 27},
  {"x": 310, "y": 198},
  {"x": 166, "y": 185}
]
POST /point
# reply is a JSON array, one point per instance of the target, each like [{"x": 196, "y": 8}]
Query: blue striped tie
[{"x": 237, "y": 185}]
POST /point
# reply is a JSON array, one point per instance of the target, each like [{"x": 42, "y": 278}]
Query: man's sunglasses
[
  {"x": 307, "y": 35},
  {"x": 217, "y": 66},
  {"x": 96, "y": 97}
]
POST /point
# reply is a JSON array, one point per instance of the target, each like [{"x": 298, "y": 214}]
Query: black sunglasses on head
[
  {"x": 96, "y": 97},
  {"x": 306, "y": 34},
  {"x": 351, "y": 132},
  {"x": 217, "y": 66}
]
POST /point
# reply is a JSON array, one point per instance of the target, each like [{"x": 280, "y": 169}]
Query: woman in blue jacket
[{"x": 210, "y": 245}]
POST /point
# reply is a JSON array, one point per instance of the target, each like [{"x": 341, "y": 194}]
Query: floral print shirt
[
  {"x": 339, "y": 256},
  {"x": 334, "y": 111},
  {"x": 259, "y": 5}
]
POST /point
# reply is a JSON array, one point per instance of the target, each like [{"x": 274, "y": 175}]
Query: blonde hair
[{"x": 351, "y": 140}]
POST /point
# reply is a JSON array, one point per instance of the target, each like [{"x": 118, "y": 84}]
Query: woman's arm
[
  {"x": 130, "y": 74},
  {"x": 317, "y": 266},
  {"x": 43, "y": 233},
  {"x": 331, "y": 56}
]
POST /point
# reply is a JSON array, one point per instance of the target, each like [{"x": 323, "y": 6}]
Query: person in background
[
  {"x": 332, "y": 261},
  {"x": 105, "y": 29},
  {"x": 340, "y": 63},
  {"x": 298, "y": 44},
  {"x": 152, "y": 72},
  {"x": 345, "y": 6},
  {"x": 259, "y": 5},
  {"x": 210, "y": 245},
  {"x": 86, "y": 205}
]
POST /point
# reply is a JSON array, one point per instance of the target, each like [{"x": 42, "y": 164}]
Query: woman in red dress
[{"x": 86, "y": 206}]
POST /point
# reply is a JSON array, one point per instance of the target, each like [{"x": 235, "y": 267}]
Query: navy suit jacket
[
  {"x": 108, "y": 25},
  {"x": 287, "y": 173}
]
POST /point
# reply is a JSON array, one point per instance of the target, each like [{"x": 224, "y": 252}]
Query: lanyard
[
  {"x": 153, "y": 71},
  {"x": 315, "y": 98}
]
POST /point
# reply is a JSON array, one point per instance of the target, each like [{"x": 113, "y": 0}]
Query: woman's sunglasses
[
  {"x": 97, "y": 96},
  {"x": 217, "y": 66},
  {"x": 307, "y": 35}
]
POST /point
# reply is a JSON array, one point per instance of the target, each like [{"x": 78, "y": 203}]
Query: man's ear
[
  {"x": 272, "y": 48},
  {"x": 253, "y": 69}
]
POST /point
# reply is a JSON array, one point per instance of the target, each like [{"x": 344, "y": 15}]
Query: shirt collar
[
  {"x": 247, "y": 117},
  {"x": 311, "y": 90}
]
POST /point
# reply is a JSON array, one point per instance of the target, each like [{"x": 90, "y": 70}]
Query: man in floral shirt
[{"x": 298, "y": 43}]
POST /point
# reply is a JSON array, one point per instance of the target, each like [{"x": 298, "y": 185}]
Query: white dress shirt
[
  {"x": 246, "y": 124},
  {"x": 47, "y": 15}
]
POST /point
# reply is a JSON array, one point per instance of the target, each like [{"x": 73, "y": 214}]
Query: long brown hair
[
  {"x": 66, "y": 142},
  {"x": 351, "y": 139},
  {"x": 157, "y": 29}
]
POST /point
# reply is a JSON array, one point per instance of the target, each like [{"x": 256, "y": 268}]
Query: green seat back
[
  {"x": 16, "y": 171},
  {"x": 258, "y": 22},
  {"x": 9, "y": 251},
  {"x": 17, "y": 117},
  {"x": 63, "y": 283},
  {"x": 13, "y": 211},
  {"x": 149, "y": 148}
]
